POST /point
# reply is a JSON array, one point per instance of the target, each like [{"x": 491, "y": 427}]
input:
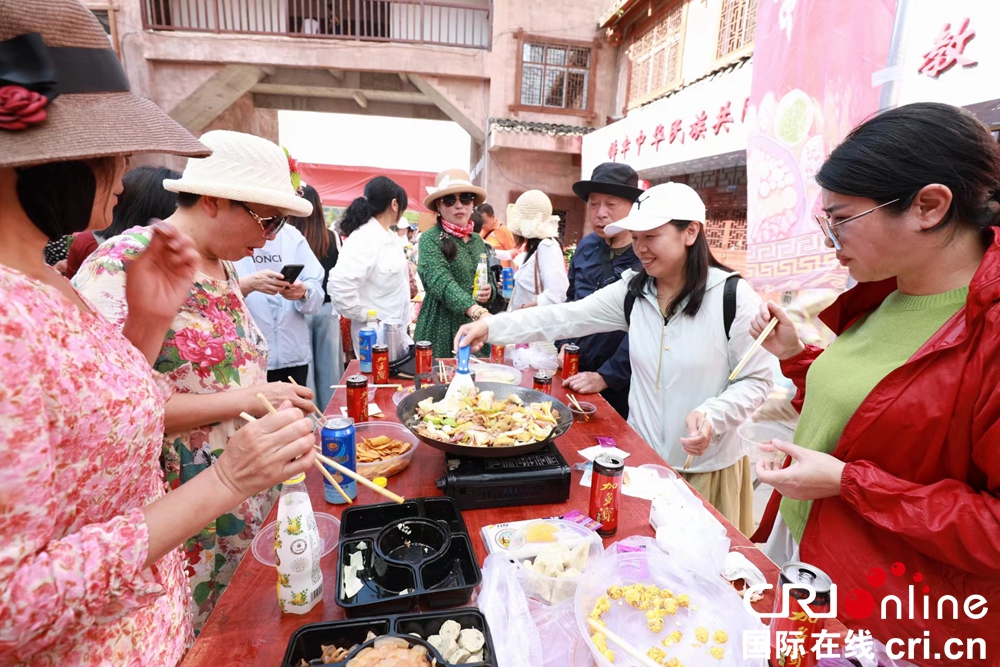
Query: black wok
[{"x": 406, "y": 412}]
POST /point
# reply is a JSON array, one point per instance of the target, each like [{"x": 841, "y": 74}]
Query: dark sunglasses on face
[
  {"x": 269, "y": 226},
  {"x": 466, "y": 198}
]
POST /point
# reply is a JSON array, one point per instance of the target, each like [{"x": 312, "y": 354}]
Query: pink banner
[{"x": 812, "y": 82}]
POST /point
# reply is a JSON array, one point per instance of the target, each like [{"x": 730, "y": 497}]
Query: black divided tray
[
  {"x": 306, "y": 644},
  {"x": 446, "y": 579}
]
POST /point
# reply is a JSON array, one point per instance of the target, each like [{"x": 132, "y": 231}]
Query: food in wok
[{"x": 479, "y": 419}]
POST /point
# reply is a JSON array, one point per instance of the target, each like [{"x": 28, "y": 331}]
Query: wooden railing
[{"x": 409, "y": 21}]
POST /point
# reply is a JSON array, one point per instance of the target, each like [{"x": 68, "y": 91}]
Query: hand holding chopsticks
[
  {"x": 324, "y": 471},
  {"x": 342, "y": 469}
]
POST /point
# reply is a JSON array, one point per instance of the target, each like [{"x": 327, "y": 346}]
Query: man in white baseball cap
[{"x": 688, "y": 322}]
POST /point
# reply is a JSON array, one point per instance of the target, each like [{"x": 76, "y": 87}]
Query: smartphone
[{"x": 289, "y": 272}]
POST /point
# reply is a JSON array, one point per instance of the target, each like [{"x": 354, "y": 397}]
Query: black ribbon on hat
[{"x": 27, "y": 61}]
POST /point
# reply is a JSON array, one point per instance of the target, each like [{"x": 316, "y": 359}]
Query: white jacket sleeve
[
  {"x": 601, "y": 311},
  {"x": 552, "y": 270},
  {"x": 354, "y": 266},
  {"x": 749, "y": 390}
]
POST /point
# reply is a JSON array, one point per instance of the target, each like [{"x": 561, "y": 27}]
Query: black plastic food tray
[
  {"x": 447, "y": 581},
  {"x": 306, "y": 644}
]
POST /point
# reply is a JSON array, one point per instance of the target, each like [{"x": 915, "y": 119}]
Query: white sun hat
[
  {"x": 659, "y": 205},
  {"x": 531, "y": 216},
  {"x": 245, "y": 168}
]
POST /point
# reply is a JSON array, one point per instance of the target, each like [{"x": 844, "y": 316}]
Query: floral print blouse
[
  {"x": 213, "y": 345},
  {"x": 81, "y": 423}
]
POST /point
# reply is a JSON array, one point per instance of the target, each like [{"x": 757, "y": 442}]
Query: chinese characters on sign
[
  {"x": 699, "y": 129},
  {"x": 948, "y": 50}
]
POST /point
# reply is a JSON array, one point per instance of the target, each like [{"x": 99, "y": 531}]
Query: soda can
[
  {"x": 606, "y": 492},
  {"x": 425, "y": 357},
  {"x": 367, "y": 338},
  {"x": 380, "y": 364},
  {"x": 571, "y": 360},
  {"x": 794, "y": 621},
  {"x": 339, "y": 444},
  {"x": 357, "y": 398},
  {"x": 542, "y": 382},
  {"x": 498, "y": 353},
  {"x": 507, "y": 282}
]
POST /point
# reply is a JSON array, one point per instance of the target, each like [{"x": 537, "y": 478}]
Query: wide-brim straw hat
[
  {"x": 531, "y": 216},
  {"x": 64, "y": 95},
  {"x": 453, "y": 182},
  {"x": 245, "y": 168}
]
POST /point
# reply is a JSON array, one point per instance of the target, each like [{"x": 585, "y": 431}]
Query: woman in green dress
[{"x": 449, "y": 254}]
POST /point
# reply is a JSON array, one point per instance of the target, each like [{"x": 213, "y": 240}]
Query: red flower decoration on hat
[
  {"x": 20, "y": 107},
  {"x": 293, "y": 171}
]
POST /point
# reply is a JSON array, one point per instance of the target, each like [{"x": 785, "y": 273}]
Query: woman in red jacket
[{"x": 893, "y": 486}]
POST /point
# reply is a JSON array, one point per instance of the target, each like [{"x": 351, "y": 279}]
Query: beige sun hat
[
  {"x": 245, "y": 168},
  {"x": 531, "y": 216},
  {"x": 64, "y": 95},
  {"x": 452, "y": 182}
]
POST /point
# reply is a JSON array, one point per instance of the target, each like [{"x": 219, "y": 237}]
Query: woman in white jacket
[
  {"x": 541, "y": 279},
  {"x": 680, "y": 401}
]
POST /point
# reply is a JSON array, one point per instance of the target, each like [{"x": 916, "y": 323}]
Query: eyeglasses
[
  {"x": 828, "y": 227},
  {"x": 466, "y": 198},
  {"x": 269, "y": 226}
]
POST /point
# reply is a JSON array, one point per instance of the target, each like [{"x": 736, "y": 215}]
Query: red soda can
[
  {"x": 497, "y": 353},
  {"x": 425, "y": 357},
  {"x": 357, "y": 398},
  {"x": 542, "y": 382},
  {"x": 606, "y": 492},
  {"x": 571, "y": 361},
  {"x": 380, "y": 364},
  {"x": 794, "y": 621}
]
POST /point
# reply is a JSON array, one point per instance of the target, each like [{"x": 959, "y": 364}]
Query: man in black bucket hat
[{"x": 598, "y": 262}]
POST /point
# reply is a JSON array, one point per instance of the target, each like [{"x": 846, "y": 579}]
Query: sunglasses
[
  {"x": 269, "y": 226},
  {"x": 829, "y": 227},
  {"x": 466, "y": 198}
]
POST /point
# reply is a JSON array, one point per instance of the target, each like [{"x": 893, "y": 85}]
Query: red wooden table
[{"x": 247, "y": 626}]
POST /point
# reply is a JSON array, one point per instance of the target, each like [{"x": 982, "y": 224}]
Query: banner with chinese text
[{"x": 812, "y": 82}]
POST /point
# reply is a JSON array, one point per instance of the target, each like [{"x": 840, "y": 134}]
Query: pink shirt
[{"x": 81, "y": 422}]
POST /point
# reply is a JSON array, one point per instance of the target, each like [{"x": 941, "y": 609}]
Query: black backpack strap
[
  {"x": 629, "y": 304},
  {"x": 729, "y": 302}
]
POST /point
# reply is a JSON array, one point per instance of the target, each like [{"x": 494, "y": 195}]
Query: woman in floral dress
[
  {"x": 449, "y": 255},
  {"x": 89, "y": 561},
  {"x": 213, "y": 356}
]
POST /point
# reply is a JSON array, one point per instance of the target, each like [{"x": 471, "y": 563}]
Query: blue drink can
[
  {"x": 339, "y": 444},
  {"x": 507, "y": 280},
  {"x": 367, "y": 338}
]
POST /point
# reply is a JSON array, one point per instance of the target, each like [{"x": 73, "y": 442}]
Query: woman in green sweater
[{"x": 449, "y": 254}]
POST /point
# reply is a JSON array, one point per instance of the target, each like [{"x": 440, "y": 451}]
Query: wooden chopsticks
[
  {"x": 321, "y": 420},
  {"x": 636, "y": 654},
  {"x": 324, "y": 471},
  {"x": 579, "y": 407},
  {"x": 342, "y": 469}
]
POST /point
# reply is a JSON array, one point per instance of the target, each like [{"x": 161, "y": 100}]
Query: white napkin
[{"x": 591, "y": 453}]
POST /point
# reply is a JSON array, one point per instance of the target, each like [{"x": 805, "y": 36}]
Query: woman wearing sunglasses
[
  {"x": 214, "y": 355},
  {"x": 448, "y": 256},
  {"x": 897, "y": 454}
]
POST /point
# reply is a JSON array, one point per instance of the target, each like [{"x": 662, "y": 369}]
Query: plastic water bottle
[
  {"x": 367, "y": 339},
  {"x": 297, "y": 549},
  {"x": 482, "y": 276}
]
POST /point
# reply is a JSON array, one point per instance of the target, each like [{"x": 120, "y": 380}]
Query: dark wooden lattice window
[
  {"x": 655, "y": 55},
  {"x": 555, "y": 75}
]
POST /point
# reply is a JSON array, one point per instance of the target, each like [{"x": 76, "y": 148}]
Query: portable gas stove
[{"x": 539, "y": 478}]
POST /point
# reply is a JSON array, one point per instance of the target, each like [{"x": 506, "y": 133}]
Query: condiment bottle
[{"x": 297, "y": 549}]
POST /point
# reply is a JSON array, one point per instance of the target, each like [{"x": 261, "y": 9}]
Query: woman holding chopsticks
[
  {"x": 688, "y": 319},
  {"x": 897, "y": 454},
  {"x": 90, "y": 567}
]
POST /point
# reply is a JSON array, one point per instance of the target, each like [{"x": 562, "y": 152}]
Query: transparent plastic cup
[{"x": 755, "y": 434}]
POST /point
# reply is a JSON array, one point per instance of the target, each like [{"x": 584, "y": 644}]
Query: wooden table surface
[{"x": 247, "y": 626}]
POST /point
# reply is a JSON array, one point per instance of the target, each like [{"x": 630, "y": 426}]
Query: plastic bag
[
  {"x": 687, "y": 531},
  {"x": 540, "y": 356},
  {"x": 563, "y": 641},
  {"x": 503, "y": 603}
]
